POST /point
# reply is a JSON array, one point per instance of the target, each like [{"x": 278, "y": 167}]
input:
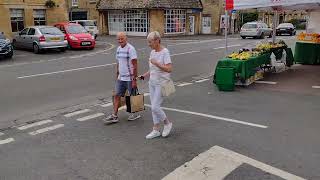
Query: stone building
[{"x": 82, "y": 10}]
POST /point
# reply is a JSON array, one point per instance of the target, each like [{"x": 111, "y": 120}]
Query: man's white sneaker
[
  {"x": 153, "y": 134},
  {"x": 166, "y": 130},
  {"x": 133, "y": 117}
]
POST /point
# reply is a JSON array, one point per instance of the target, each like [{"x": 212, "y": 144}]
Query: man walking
[{"x": 127, "y": 70}]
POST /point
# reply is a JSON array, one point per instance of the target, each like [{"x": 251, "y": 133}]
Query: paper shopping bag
[{"x": 135, "y": 102}]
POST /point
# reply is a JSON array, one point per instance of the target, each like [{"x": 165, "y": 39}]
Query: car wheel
[
  {"x": 14, "y": 44},
  {"x": 63, "y": 49},
  {"x": 243, "y": 37},
  {"x": 36, "y": 49}
]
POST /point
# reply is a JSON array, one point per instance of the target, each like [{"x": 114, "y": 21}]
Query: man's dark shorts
[{"x": 122, "y": 86}]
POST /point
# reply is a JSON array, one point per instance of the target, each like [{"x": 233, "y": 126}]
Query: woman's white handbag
[{"x": 167, "y": 88}]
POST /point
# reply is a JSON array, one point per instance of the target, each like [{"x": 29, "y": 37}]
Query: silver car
[
  {"x": 39, "y": 38},
  {"x": 255, "y": 30}
]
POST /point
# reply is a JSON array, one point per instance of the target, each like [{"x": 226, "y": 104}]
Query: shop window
[
  {"x": 17, "y": 19},
  {"x": 175, "y": 21},
  {"x": 39, "y": 17}
]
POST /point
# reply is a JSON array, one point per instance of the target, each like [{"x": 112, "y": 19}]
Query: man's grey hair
[{"x": 155, "y": 35}]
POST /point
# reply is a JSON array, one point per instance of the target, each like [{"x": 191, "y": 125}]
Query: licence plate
[
  {"x": 282, "y": 29},
  {"x": 91, "y": 27},
  {"x": 55, "y": 39},
  {"x": 85, "y": 43}
]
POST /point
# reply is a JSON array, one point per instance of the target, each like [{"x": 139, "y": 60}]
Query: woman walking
[{"x": 160, "y": 67}]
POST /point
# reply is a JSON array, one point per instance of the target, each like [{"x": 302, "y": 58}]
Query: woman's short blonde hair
[{"x": 155, "y": 35}]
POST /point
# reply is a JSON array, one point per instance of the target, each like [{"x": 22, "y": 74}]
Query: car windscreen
[
  {"x": 51, "y": 31},
  {"x": 88, "y": 23},
  {"x": 285, "y": 25},
  {"x": 250, "y": 26},
  {"x": 76, "y": 29},
  {"x": 2, "y": 36}
]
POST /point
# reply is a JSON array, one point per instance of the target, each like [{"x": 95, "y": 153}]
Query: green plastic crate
[{"x": 225, "y": 79}]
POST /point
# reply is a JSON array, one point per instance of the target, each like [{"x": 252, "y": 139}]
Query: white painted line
[
  {"x": 107, "y": 105},
  {"x": 222, "y": 47},
  {"x": 146, "y": 94},
  {"x": 185, "y": 53},
  {"x": 316, "y": 87},
  {"x": 77, "y": 113},
  {"x": 213, "y": 117},
  {"x": 6, "y": 141},
  {"x": 46, "y": 129},
  {"x": 202, "y": 80},
  {"x": 70, "y": 70},
  {"x": 1, "y": 134},
  {"x": 255, "y": 163},
  {"x": 184, "y": 84},
  {"x": 217, "y": 163},
  {"x": 93, "y": 116},
  {"x": 266, "y": 82},
  {"x": 34, "y": 124}
]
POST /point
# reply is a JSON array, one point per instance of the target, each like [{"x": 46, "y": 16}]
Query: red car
[{"x": 77, "y": 36}]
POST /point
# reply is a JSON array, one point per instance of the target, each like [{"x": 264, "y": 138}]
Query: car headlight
[
  {"x": 73, "y": 38},
  {"x": 92, "y": 37},
  {"x": 7, "y": 41}
]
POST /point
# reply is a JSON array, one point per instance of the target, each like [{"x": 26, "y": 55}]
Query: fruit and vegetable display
[
  {"x": 309, "y": 37},
  {"x": 261, "y": 48}
]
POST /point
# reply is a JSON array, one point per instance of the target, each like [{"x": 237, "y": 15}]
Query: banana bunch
[
  {"x": 264, "y": 46},
  {"x": 240, "y": 56}
]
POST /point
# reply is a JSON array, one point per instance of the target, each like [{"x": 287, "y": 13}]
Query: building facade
[
  {"x": 142, "y": 16},
  {"x": 18, "y": 14},
  {"x": 283, "y": 17},
  {"x": 82, "y": 10}
]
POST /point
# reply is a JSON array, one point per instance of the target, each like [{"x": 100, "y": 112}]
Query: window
[
  {"x": 24, "y": 32},
  {"x": 39, "y": 17},
  {"x": 135, "y": 22},
  {"x": 74, "y": 3},
  {"x": 175, "y": 21},
  {"x": 32, "y": 31},
  {"x": 17, "y": 19}
]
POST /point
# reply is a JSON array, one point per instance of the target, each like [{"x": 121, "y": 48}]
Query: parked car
[
  {"x": 286, "y": 28},
  {"x": 77, "y": 36},
  {"x": 6, "y": 49},
  {"x": 39, "y": 38},
  {"x": 89, "y": 25},
  {"x": 255, "y": 30}
]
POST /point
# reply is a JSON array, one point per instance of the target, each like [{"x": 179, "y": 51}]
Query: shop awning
[{"x": 277, "y": 4}]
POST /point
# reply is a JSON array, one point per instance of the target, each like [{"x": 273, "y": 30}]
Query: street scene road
[{"x": 53, "y": 105}]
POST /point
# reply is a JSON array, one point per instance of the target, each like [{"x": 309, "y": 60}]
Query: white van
[{"x": 89, "y": 25}]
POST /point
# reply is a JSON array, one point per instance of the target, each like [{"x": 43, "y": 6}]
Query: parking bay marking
[
  {"x": 6, "y": 141},
  {"x": 40, "y": 131},
  {"x": 213, "y": 117},
  {"x": 93, "y": 116},
  {"x": 218, "y": 162},
  {"x": 69, "y": 70},
  {"x": 77, "y": 113},
  {"x": 34, "y": 124}
]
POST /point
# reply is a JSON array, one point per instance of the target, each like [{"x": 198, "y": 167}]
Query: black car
[
  {"x": 286, "y": 28},
  {"x": 6, "y": 49}
]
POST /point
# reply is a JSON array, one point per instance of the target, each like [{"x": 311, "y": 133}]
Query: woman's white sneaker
[
  {"x": 153, "y": 134},
  {"x": 166, "y": 130}
]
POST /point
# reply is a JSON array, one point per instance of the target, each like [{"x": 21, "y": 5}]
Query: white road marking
[
  {"x": 77, "y": 113},
  {"x": 184, "y": 84},
  {"x": 93, "y": 116},
  {"x": 93, "y": 53},
  {"x": 217, "y": 163},
  {"x": 34, "y": 124},
  {"x": 70, "y": 70},
  {"x": 20, "y": 55},
  {"x": 202, "y": 80},
  {"x": 107, "y": 105},
  {"x": 1, "y": 134},
  {"x": 316, "y": 87},
  {"x": 213, "y": 117},
  {"x": 40, "y": 131},
  {"x": 266, "y": 82},
  {"x": 6, "y": 141},
  {"x": 222, "y": 47},
  {"x": 146, "y": 94},
  {"x": 185, "y": 53}
]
